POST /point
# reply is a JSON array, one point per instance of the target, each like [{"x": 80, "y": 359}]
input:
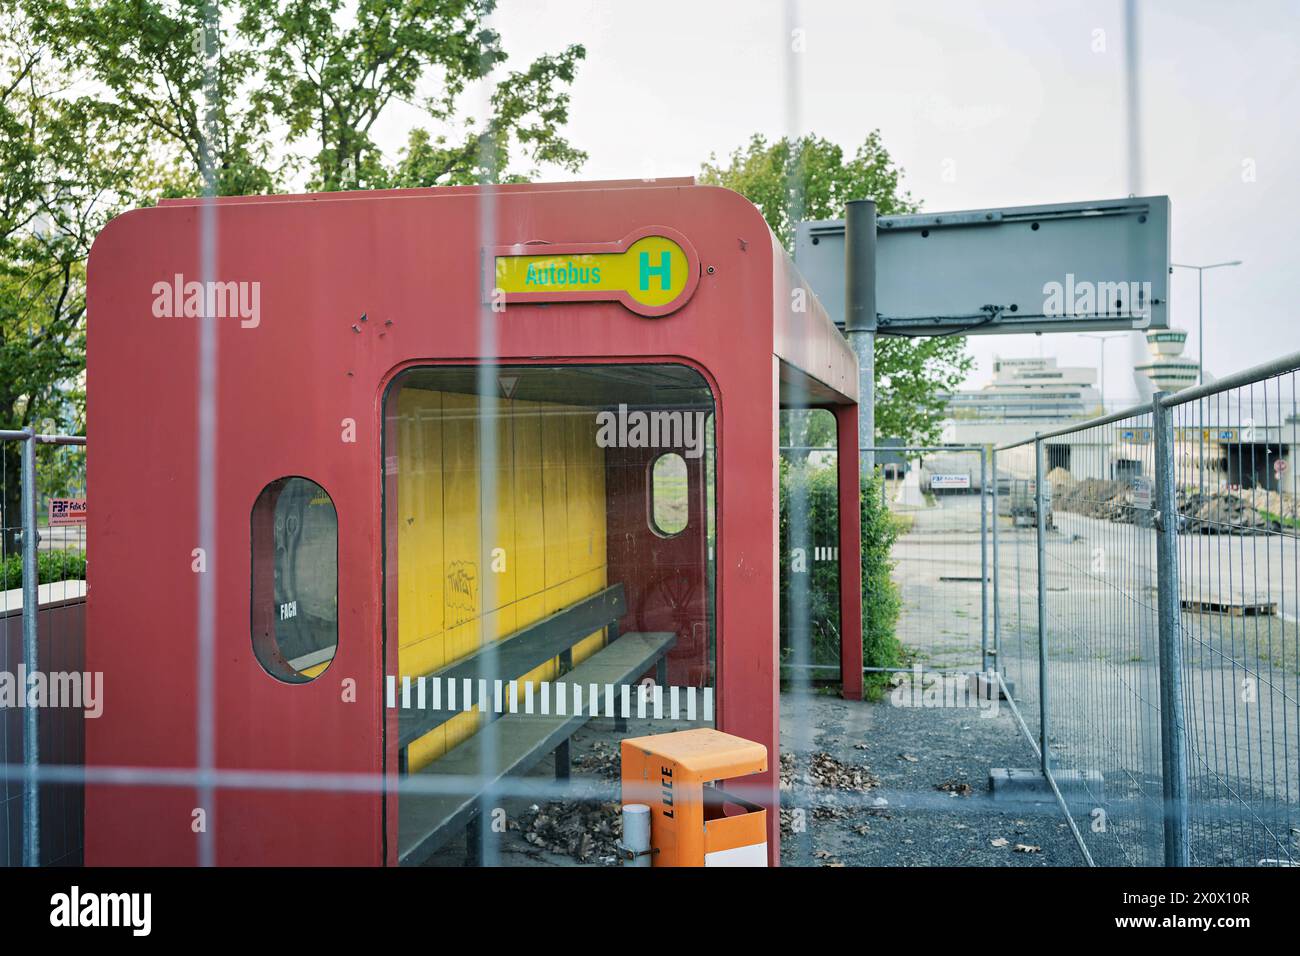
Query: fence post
[
  {"x": 31, "y": 663},
  {"x": 1173, "y": 729},
  {"x": 1040, "y": 510},
  {"x": 984, "y": 559},
  {"x": 997, "y": 618},
  {"x": 852, "y": 613}
]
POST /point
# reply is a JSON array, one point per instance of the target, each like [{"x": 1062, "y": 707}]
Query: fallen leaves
[
  {"x": 820, "y": 769},
  {"x": 1018, "y": 848},
  {"x": 588, "y": 832},
  {"x": 600, "y": 760},
  {"x": 956, "y": 788}
]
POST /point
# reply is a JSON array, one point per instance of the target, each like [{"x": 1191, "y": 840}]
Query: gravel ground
[
  {"x": 913, "y": 752},
  {"x": 865, "y": 754}
]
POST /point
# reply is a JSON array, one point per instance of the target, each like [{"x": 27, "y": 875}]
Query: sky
[{"x": 983, "y": 104}]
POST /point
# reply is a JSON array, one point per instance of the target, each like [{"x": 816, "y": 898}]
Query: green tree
[
  {"x": 177, "y": 80},
  {"x": 913, "y": 379},
  {"x": 330, "y": 78},
  {"x": 66, "y": 169},
  {"x": 811, "y": 178}
]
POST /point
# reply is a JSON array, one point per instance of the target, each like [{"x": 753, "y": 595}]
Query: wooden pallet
[{"x": 1231, "y": 608}]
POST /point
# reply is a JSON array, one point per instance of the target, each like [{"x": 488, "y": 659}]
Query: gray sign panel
[{"x": 1066, "y": 267}]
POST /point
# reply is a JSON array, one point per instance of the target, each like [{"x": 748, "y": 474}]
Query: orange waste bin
[{"x": 693, "y": 821}]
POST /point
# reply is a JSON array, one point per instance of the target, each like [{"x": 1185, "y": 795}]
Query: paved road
[{"x": 937, "y": 570}]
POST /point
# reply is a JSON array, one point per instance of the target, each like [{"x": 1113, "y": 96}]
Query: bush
[
  {"x": 51, "y": 566},
  {"x": 817, "y": 486}
]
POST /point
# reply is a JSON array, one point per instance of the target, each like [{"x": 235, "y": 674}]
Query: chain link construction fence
[{"x": 1156, "y": 551}]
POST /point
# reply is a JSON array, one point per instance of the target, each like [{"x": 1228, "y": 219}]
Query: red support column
[{"x": 846, "y": 427}]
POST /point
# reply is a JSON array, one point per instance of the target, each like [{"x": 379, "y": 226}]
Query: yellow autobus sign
[{"x": 652, "y": 272}]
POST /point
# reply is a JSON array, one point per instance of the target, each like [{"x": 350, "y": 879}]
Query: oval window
[
  {"x": 668, "y": 498},
  {"x": 295, "y": 579}
]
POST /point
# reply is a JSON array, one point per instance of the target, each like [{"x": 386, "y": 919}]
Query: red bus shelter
[{"x": 493, "y": 474}]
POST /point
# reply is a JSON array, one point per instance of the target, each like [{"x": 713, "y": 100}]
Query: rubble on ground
[{"x": 1247, "y": 512}]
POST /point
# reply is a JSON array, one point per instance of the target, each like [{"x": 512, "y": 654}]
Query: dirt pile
[
  {"x": 1096, "y": 498},
  {"x": 1244, "y": 513},
  {"x": 1221, "y": 512},
  {"x": 1059, "y": 478}
]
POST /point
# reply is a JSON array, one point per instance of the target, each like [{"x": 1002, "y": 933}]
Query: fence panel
[
  {"x": 939, "y": 498},
  {"x": 1236, "y": 493},
  {"x": 1167, "y": 573},
  {"x": 60, "y": 625},
  {"x": 1102, "y": 651},
  {"x": 1015, "y": 579}
]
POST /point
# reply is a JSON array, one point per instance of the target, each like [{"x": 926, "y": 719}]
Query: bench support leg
[
  {"x": 473, "y": 842},
  {"x": 661, "y": 672},
  {"x": 562, "y": 761}
]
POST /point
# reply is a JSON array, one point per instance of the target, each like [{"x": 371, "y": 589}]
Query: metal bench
[{"x": 516, "y": 742}]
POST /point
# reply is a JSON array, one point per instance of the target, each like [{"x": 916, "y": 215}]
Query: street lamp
[
  {"x": 1200, "y": 313},
  {"x": 1103, "y": 339}
]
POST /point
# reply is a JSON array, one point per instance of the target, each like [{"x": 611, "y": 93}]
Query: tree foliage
[
  {"x": 110, "y": 104},
  {"x": 64, "y": 171},
  {"x": 331, "y": 77},
  {"x": 177, "y": 80},
  {"x": 811, "y": 178}
]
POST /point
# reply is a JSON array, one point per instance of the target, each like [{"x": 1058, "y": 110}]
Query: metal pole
[
  {"x": 1200, "y": 363},
  {"x": 997, "y": 618},
  {"x": 1103, "y": 376},
  {"x": 636, "y": 835},
  {"x": 1173, "y": 729},
  {"x": 31, "y": 662},
  {"x": 1040, "y": 508},
  {"x": 860, "y": 316},
  {"x": 984, "y": 560},
  {"x": 1200, "y": 325}
]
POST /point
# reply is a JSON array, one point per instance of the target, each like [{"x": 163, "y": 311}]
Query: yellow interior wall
[{"x": 549, "y": 517}]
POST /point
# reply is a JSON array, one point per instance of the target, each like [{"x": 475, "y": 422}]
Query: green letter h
[{"x": 662, "y": 270}]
